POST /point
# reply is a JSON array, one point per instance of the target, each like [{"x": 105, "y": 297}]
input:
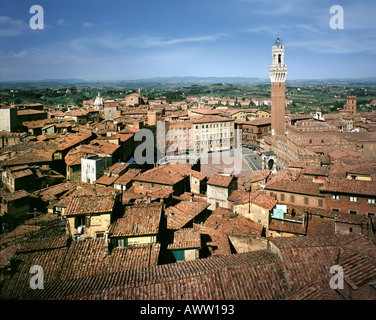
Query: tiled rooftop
[
  {"x": 143, "y": 219},
  {"x": 88, "y": 258},
  {"x": 288, "y": 226},
  {"x": 169, "y": 174},
  {"x": 128, "y": 177},
  {"x": 13, "y": 196},
  {"x": 183, "y": 212},
  {"x": 89, "y": 204},
  {"x": 219, "y": 180},
  {"x": 186, "y": 238},
  {"x": 222, "y": 223},
  {"x": 355, "y": 187},
  {"x": 301, "y": 186},
  {"x": 236, "y": 277}
]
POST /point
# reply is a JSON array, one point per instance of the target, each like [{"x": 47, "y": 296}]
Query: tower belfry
[{"x": 277, "y": 73}]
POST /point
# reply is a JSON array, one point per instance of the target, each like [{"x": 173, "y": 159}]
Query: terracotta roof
[
  {"x": 321, "y": 171},
  {"x": 284, "y": 175},
  {"x": 366, "y": 169},
  {"x": 20, "y": 173},
  {"x": 260, "y": 175},
  {"x": 318, "y": 290},
  {"x": 13, "y": 196},
  {"x": 349, "y": 218},
  {"x": 288, "y": 226},
  {"x": 76, "y": 113},
  {"x": 301, "y": 186},
  {"x": 106, "y": 180},
  {"x": 206, "y": 111},
  {"x": 183, "y": 212},
  {"x": 360, "y": 136},
  {"x": 71, "y": 139},
  {"x": 220, "y": 181},
  {"x": 88, "y": 258},
  {"x": 28, "y": 156},
  {"x": 52, "y": 235},
  {"x": 128, "y": 176},
  {"x": 35, "y": 123},
  {"x": 138, "y": 220},
  {"x": 29, "y": 111},
  {"x": 55, "y": 192},
  {"x": 339, "y": 153},
  {"x": 123, "y": 136},
  {"x": 358, "y": 269},
  {"x": 81, "y": 259},
  {"x": 89, "y": 204},
  {"x": 118, "y": 167},
  {"x": 259, "y": 122},
  {"x": 96, "y": 146},
  {"x": 169, "y": 174},
  {"x": 222, "y": 223},
  {"x": 208, "y": 119},
  {"x": 246, "y": 276},
  {"x": 259, "y": 198},
  {"x": 358, "y": 187},
  {"x": 186, "y": 238}
]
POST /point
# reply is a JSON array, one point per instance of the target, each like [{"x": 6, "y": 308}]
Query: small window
[
  {"x": 335, "y": 197},
  {"x": 321, "y": 203},
  {"x": 305, "y": 200},
  {"x": 371, "y": 201},
  {"x": 310, "y": 141},
  {"x": 79, "y": 221},
  {"x": 353, "y": 199},
  {"x": 335, "y": 209},
  {"x": 353, "y": 212},
  {"x": 140, "y": 184},
  {"x": 350, "y": 229},
  {"x": 292, "y": 198},
  {"x": 282, "y": 197}
]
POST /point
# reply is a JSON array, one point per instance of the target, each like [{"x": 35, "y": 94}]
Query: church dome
[{"x": 99, "y": 100}]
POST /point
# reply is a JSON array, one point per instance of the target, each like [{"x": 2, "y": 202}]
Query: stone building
[
  {"x": 219, "y": 189},
  {"x": 92, "y": 167},
  {"x": 8, "y": 119}
]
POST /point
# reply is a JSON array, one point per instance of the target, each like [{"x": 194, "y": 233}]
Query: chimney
[{"x": 106, "y": 244}]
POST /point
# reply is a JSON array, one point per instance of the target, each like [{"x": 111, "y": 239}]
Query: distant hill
[{"x": 164, "y": 83}]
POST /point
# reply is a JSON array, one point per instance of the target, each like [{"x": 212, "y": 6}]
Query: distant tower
[
  {"x": 277, "y": 73},
  {"x": 350, "y": 106}
]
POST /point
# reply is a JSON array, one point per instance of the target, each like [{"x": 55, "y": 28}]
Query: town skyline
[
  {"x": 87, "y": 40},
  {"x": 178, "y": 191}
]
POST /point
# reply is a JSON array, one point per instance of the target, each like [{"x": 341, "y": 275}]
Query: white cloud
[
  {"x": 88, "y": 25},
  {"x": 10, "y": 27},
  {"x": 62, "y": 22}
]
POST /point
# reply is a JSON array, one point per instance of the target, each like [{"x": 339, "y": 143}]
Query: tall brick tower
[
  {"x": 277, "y": 73},
  {"x": 350, "y": 106}
]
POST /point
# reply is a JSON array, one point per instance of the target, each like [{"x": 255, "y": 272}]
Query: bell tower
[{"x": 277, "y": 73}]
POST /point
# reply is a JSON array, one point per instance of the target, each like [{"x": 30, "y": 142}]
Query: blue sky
[{"x": 121, "y": 39}]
